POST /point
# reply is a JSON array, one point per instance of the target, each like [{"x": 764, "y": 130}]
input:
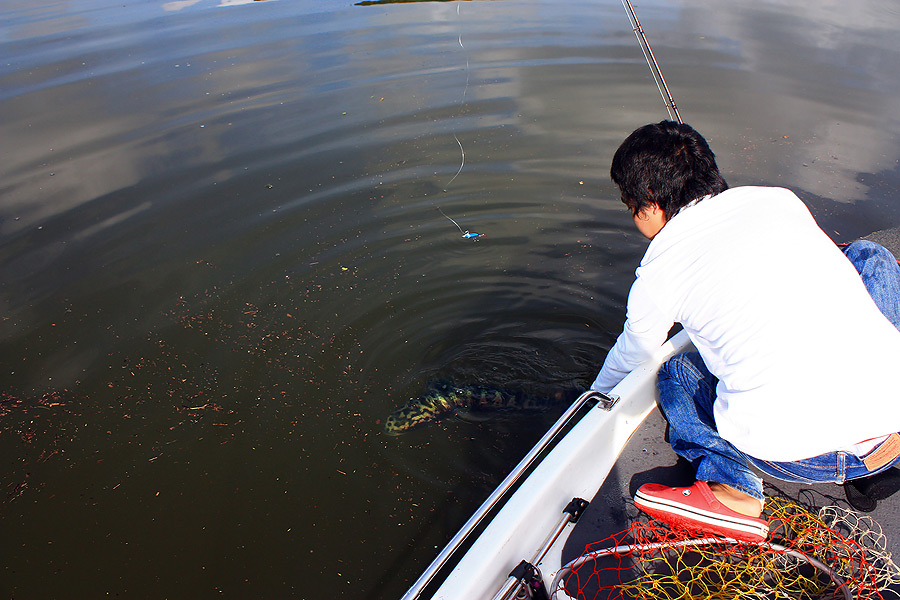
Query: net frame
[{"x": 831, "y": 553}]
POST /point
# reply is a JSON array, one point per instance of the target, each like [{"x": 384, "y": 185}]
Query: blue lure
[{"x": 466, "y": 234}]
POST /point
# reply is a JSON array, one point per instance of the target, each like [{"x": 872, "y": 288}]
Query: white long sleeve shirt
[{"x": 806, "y": 362}]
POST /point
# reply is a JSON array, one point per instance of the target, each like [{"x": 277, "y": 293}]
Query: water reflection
[
  {"x": 182, "y": 4},
  {"x": 375, "y": 2},
  {"x": 825, "y": 109},
  {"x": 223, "y": 248}
]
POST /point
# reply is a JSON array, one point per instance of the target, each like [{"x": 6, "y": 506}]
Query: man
[{"x": 795, "y": 364}]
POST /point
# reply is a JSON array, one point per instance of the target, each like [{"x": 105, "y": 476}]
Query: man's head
[{"x": 666, "y": 164}]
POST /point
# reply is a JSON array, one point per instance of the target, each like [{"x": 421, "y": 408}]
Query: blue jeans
[
  {"x": 687, "y": 391},
  {"x": 881, "y": 275}
]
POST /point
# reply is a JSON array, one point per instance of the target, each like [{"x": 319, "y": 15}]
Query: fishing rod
[{"x": 651, "y": 62}]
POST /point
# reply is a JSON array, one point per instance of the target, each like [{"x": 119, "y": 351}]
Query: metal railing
[{"x": 605, "y": 401}]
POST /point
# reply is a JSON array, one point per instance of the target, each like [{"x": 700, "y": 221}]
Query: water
[{"x": 224, "y": 261}]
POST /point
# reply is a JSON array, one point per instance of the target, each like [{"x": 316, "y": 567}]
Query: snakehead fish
[{"x": 445, "y": 399}]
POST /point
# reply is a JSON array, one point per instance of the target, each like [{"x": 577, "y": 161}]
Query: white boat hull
[{"x": 575, "y": 468}]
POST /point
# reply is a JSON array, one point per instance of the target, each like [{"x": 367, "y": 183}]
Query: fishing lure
[{"x": 466, "y": 234}]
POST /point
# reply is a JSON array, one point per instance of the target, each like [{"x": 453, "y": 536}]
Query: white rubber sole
[{"x": 682, "y": 512}]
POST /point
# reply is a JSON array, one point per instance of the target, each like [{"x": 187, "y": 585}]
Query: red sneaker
[{"x": 695, "y": 508}]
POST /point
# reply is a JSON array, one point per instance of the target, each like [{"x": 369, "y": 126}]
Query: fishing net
[{"x": 832, "y": 553}]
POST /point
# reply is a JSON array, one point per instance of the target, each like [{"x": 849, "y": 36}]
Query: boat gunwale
[{"x": 590, "y": 449}]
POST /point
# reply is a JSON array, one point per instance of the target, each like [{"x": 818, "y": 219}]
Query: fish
[{"x": 445, "y": 399}]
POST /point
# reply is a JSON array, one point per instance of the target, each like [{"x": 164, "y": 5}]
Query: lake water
[{"x": 231, "y": 244}]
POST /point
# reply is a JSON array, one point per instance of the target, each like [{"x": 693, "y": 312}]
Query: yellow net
[{"x": 834, "y": 553}]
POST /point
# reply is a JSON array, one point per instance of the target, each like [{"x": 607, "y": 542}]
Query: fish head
[{"x": 419, "y": 411}]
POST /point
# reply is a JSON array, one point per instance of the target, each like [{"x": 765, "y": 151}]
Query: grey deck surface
[
  {"x": 889, "y": 238},
  {"x": 648, "y": 458}
]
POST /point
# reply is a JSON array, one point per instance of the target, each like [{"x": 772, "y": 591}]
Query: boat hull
[{"x": 575, "y": 468}]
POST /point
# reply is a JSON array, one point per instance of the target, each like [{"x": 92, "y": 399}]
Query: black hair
[{"x": 665, "y": 163}]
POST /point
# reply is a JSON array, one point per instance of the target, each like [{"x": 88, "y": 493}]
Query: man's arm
[{"x": 646, "y": 327}]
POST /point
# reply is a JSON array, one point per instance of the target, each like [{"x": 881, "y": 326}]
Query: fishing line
[
  {"x": 461, "y": 164},
  {"x": 461, "y": 104},
  {"x": 651, "y": 62},
  {"x": 465, "y": 233},
  {"x": 462, "y": 151}
]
